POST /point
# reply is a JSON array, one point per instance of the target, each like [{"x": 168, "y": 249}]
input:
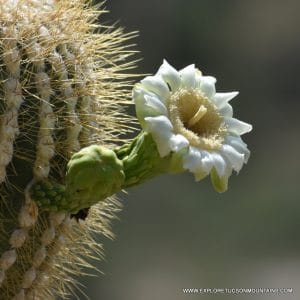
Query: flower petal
[
  {"x": 226, "y": 111},
  {"x": 235, "y": 158},
  {"x": 198, "y": 162},
  {"x": 178, "y": 142},
  {"x": 161, "y": 130},
  {"x": 154, "y": 103},
  {"x": 147, "y": 105},
  {"x": 156, "y": 85},
  {"x": 192, "y": 158},
  {"x": 170, "y": 75},
  {"x": 207, "y": 86},
  {"x": 220, "y": 99},
  {"x": 219, "y": 163},
  {"x": 192, "y": 162},
  {"x": 198, "y": 77},
  {"x": 236, "y": 126},
  {"x": 237, "y": 143},
  {"x": 207, "y": 161},
  {"x": 188, "y": 77},
  {"x": 139, "y": 101}
]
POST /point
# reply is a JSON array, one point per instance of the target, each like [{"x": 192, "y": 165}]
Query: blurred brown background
[{"x": 174, "y": 233}]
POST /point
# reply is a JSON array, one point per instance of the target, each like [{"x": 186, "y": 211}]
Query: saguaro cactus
[{"x": 62, "y": 84}]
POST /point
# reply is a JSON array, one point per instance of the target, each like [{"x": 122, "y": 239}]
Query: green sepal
[
  {"x": 175, "y": 163},
  {"x": 219, "y": 184}
]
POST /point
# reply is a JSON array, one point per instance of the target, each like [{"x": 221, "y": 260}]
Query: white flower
[{"x": 183, "y": 112}]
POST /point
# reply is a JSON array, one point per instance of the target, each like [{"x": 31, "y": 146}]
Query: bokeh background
[{"x": 174, "y": 233}]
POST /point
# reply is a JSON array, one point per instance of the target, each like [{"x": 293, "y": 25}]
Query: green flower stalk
[{"x": 63, "y": 81}]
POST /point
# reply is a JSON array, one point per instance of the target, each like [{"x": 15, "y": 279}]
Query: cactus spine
[{"x": 61, "y": 88}]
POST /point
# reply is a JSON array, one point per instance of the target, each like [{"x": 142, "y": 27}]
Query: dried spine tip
[{"x": 56, "y": 96}]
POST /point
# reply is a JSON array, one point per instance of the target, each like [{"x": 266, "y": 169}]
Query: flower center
[{"x": 195, "y": 117}]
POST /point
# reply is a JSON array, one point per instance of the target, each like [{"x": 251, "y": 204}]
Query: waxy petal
[
  {"x": 236, "y": 159},
  {"x": 237, "y": 143},
  {"x": 156, "y": 85},
  {"x": 170, "y": 75},
  {"x": 226, "y": 111},
  {"x": 236, "y": 126},
  {"x": 161, "y": 130},
  {"x": 221, "y": 99},
  {"x": 207, "y": 86},
  {"x": 188, "y": 77},
  {"x": 198, "y": 162},
  {"x": 157, "y": 106},
  {"x": 178, "y": 142},
  {"x": 147, "y": 105}
]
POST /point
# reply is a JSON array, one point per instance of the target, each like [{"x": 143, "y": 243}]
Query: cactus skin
[{"x": 62, "y": 86}]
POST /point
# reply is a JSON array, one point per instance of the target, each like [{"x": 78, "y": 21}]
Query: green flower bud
[{"x": 93, "y": 174}]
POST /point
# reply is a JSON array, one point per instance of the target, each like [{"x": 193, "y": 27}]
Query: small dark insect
[{"x": 81, "y": 215}]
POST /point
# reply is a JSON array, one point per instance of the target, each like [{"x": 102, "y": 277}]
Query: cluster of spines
[{"x": 61, "y": 86}]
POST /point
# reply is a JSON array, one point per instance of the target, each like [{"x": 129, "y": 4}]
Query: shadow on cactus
[{"x": 64, "y": 80}]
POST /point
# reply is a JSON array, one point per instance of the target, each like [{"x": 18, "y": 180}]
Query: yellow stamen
[{"x": 197, "y": 116}]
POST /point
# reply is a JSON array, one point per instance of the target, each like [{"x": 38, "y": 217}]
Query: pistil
[{"x": 197, "y": 116}]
